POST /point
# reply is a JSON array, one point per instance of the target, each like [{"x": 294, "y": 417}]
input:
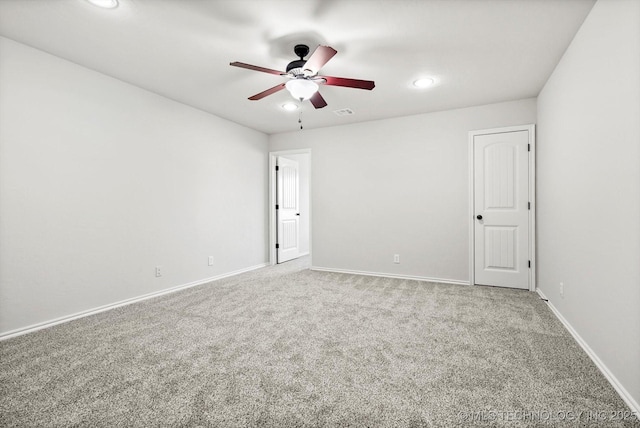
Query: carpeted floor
[{"x": 288, "y": 347}]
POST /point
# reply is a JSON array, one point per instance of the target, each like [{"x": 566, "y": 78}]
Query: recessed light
[
  {"x": 290, "y": 106},
  {"x": 423, "y": 82},
  {"x": 107, "y": 4}
]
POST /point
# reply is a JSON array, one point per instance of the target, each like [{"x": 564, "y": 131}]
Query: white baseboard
[
  {"x": 390, "y": 275},
  {"x": 67, "y": 318},
  {"x": 624, "y": 394}
]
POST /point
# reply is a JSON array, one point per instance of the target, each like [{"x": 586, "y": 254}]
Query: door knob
[{"x": 479, "y": 217}]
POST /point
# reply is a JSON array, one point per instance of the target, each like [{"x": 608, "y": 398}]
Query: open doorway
[{"x": 289, "y": 205}]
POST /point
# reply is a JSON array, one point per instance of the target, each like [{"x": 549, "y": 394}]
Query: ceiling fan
[{"x": 303, "y": 76}]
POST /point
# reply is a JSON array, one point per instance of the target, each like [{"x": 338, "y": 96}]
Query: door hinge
[
  {"x": 529, "y": 264},
  {"x": 528, "y": 205},
  {"x": 277, "y": 168},
  {"x": 528, "y": 147},
  {"x": 277, "y": 206},
  {"x": 277, "y": 246}
]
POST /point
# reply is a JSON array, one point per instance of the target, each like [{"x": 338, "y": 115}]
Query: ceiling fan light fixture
[
  {"x": 423, "y": 82},
  {"x": 106, "y": 4},
  {"x": 301, "y": 89}
]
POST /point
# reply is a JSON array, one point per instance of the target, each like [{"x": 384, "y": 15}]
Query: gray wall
[
  {"x": 397, "y": 186},
  {"x": 589, "y": 187},
  {"x": 101, "y": 181}
]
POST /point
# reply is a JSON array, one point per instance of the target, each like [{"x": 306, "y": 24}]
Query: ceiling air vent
[{"x": 343, "y": 112}]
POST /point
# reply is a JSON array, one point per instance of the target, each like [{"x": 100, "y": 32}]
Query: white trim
[
  {"x": 532, "y": 212},
  {"x": 624, "y": 394},
  {"x": 389, "y": 275},
  {"x": 532, "y": 197},
  {"x": 77, "y": 315},
  {"x": 272, "y": 200},
  {"x": 472, "y": 214},
  {"x": 270, "y": 209},
  {"x": 502, "y": 130}
]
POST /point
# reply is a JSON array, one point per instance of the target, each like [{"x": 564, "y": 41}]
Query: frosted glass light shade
[{"x": 301, "y": 89}]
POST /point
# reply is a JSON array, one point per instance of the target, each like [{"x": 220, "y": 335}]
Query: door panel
[
  {"x": 288, "y": 212},
  {"x": 500, "y": 167},
  {"x": 501, "y": 195},
  {"x": 500, "y": 247}
]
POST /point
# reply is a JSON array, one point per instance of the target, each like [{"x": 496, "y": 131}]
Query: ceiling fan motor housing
[
  {"x": 301, "y": 51},
  {"x": 299, "y": 63}
]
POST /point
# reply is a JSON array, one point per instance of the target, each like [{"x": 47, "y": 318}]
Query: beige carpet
[{"x": 289, "y": 347}]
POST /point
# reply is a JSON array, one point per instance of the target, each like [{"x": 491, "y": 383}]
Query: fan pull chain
[{"x": 300, "y": 119}]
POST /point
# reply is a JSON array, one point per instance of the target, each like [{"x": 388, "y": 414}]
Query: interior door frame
[
  {"x": 273, "y": 236},
  {"x": 532, "y": 198}
]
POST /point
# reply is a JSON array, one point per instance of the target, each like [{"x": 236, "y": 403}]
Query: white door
[
  {"x": 501, "y": 209},
  {"x": 287, "y": 209}
]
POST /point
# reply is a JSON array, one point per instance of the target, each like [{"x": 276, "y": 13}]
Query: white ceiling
[{"x": 478, "y": 51}]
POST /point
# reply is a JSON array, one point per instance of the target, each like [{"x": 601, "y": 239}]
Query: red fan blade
[
  {"x": 319, "y": 57},
  {"x": 269, "y": 91},
  {"x": 256, "y": 68},
  {"x": 318, "y": 101},
  {"x": 349, "y": 83}
]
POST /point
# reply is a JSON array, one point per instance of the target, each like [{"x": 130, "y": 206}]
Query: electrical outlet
[
  {"x": 396, "y": 258},
  {"x": 562, "y": 290},
  {"x": 158, "y": 271},
  {"x": 210, "y": 260}
]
